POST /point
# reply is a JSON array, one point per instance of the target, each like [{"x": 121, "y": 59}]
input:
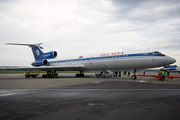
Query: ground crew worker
[
  {"x": 168, "y": 74},
  {"x": 163, "y": 75},
  {"x": 128, "y": 73},
  {"x": 125, "y": 73},
  {"x": 119, "y": 73},
  {"x": 116, "y": 73}
]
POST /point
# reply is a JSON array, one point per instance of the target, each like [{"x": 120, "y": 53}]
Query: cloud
[
  {"x": 74, "y": 28},
  {"x": 146, "y": 10},
  {"x": 148, "y": 15}
]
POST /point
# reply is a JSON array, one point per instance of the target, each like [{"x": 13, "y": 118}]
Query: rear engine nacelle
[
  {"x": 50, "y": 55},
  {"x": 39, "y": 63}
]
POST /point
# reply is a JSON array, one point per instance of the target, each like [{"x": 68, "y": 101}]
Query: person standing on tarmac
[
  {"x": 125, "y": 73},
  {"x": 119, "y": 73},
  {"x": 116, "y": 72},
  {"x": 163, "y": 75},
  {"x": 168, "y": 74},
  {"x": 128, "y": 73}
]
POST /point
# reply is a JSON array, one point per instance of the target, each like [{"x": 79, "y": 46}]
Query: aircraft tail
[{"x": 39, "y": 56}]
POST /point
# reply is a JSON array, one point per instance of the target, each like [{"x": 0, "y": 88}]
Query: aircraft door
[
  {"x": 91, "y": 60},
  {"x": 115, "y": 58}
]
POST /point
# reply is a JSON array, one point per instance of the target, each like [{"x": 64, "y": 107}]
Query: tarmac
[{"x": 71, "y": 98}]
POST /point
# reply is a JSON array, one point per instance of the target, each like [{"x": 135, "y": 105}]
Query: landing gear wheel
[
  {"x": 79, "y": 75},
  {"x": 133, "y": 77}
]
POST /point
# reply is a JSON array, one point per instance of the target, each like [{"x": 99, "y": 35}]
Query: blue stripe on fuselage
[{"x": 124, "y": 56}]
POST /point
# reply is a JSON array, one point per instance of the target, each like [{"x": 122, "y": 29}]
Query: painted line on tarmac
[
  {"x": 96, "y": 87},
  {"x": 87, "y": 89},
  {"x": 142, "y": 81},
  {"x": 7, "y": 94}
]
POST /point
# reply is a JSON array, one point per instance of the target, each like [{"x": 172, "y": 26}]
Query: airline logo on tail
[{"x": 37, "y": 51}]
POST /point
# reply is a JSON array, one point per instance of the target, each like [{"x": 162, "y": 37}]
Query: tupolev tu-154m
[{"x": 106, "y": 61}]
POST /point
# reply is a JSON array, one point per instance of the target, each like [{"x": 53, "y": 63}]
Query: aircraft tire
[
  {"x": 79, "y": 75},
  {"x": 133, "y": 77},
  {"x": 33, "y": 76},
  {"x": 49, "y": 76},
  {"x": 43, "y": 76}
]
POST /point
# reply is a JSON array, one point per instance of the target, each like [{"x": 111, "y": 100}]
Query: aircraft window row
[
  {"x": 95, "y": 58},
  {"x": 108, "y": 57}
]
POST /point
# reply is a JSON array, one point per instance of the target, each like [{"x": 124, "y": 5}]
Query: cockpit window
[{"x": 156, "y": 53}]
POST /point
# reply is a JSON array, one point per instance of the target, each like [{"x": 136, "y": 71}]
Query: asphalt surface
[{"x": 70, "y": 98}]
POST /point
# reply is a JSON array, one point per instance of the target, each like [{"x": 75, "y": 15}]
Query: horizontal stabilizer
[{"x": 30, "y": 45}]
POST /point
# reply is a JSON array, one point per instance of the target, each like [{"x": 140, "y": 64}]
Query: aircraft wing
[{"x": 76, "y": 67}]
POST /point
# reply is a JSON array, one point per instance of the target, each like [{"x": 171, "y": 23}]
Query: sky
[{"x": 80, "y": 27}]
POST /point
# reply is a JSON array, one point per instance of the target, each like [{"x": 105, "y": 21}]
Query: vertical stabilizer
[{"x": 38, "y": 54}]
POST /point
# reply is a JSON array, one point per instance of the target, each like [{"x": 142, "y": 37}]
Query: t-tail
[{"x": 39, "y": 56}]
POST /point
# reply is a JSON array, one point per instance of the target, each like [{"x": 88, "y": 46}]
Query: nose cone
[{"x": 169, "y": 60}]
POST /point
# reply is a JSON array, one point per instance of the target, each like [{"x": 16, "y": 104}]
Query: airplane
[
  {"x": 171, "y": 68},
  {"x": 106, "y": 61}
]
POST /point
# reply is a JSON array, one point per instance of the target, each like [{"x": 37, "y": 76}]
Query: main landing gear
[
  {"x": 81, "y": 74},
  {"x": 133, "y": 77}
]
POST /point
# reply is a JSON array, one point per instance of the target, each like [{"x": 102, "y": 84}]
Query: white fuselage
[{"x": 118, "y": 61}]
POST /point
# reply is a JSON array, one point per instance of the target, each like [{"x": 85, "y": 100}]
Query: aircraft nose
[{"x": 170, "y": 60}]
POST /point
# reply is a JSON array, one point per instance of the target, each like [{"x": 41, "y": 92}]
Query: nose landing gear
[{"x": 133, "y": 77}]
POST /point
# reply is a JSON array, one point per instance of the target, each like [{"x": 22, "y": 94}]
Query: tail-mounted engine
[
  {"x": 44, "y": 56},
  {"x": 39, "y": 63},
  {"x": 49, "y": 55}
]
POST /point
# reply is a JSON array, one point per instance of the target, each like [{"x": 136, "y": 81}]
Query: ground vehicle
[
  {"x": 31, "y": 74},
  {"x": 159, "y": 77},
  {"x": 106, "y": 73},
  {"x": 50, "y": 74}
]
